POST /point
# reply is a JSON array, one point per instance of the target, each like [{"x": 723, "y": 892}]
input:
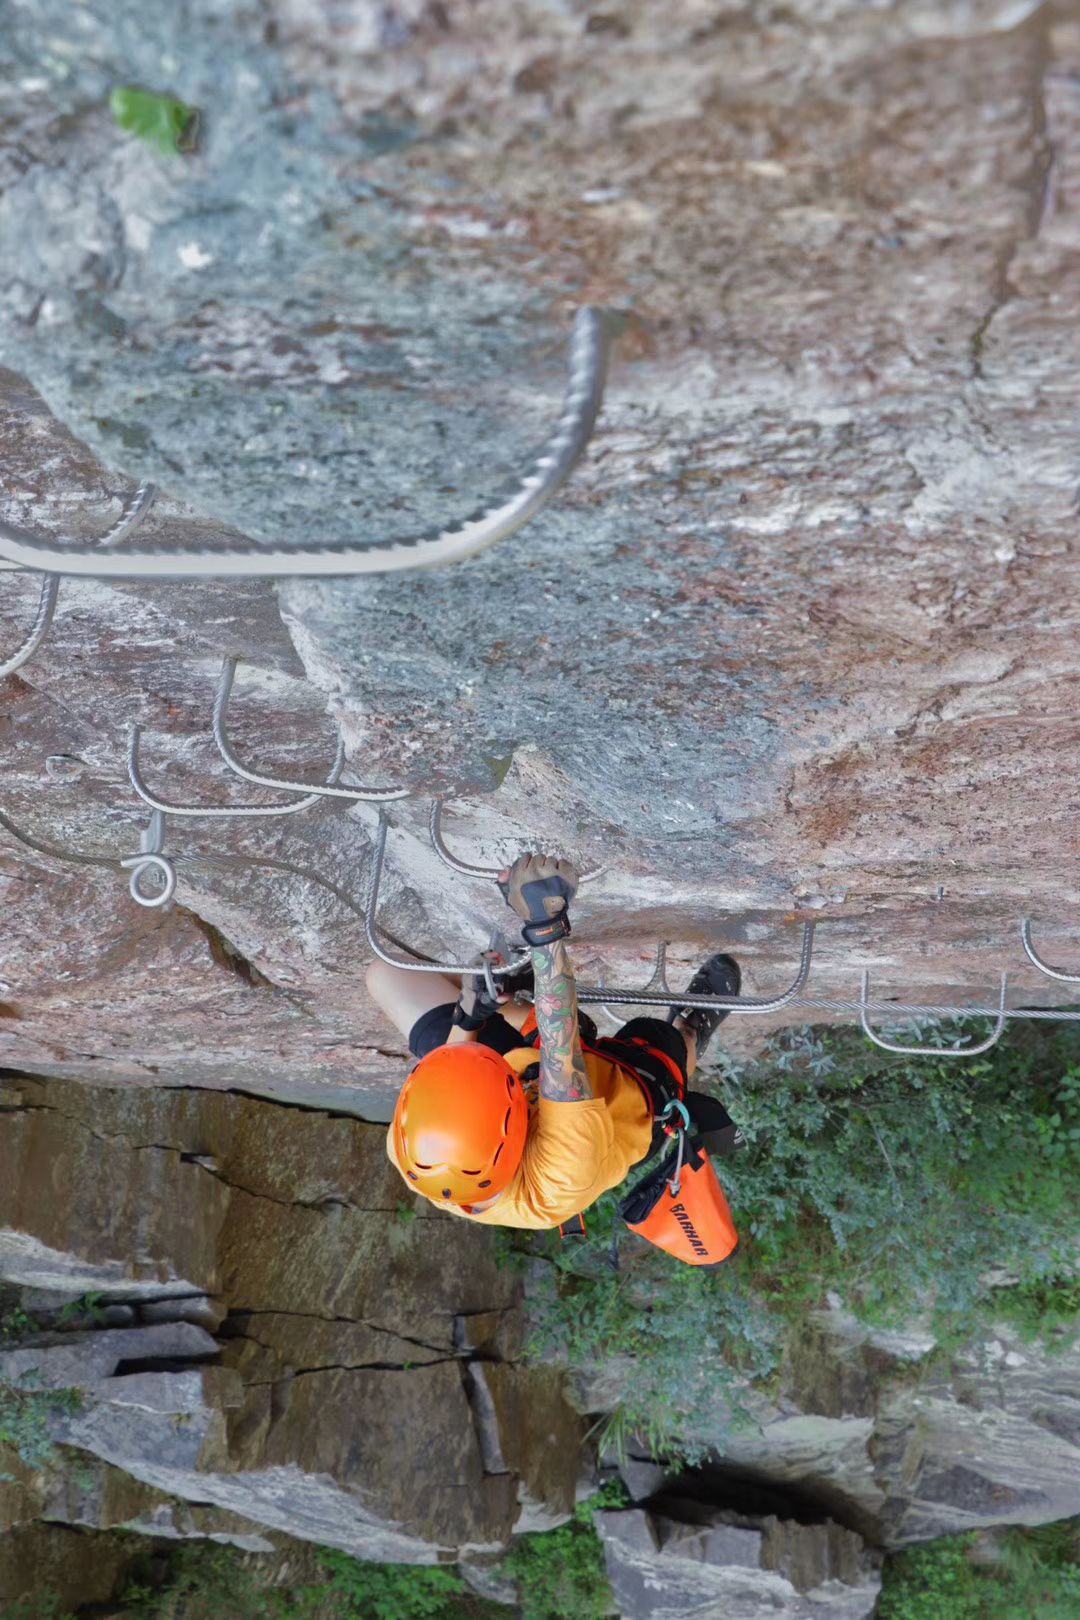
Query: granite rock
[{"x": 711, "y": 1567}]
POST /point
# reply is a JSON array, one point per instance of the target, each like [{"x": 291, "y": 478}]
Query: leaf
[{"x": 162, "y": 121}]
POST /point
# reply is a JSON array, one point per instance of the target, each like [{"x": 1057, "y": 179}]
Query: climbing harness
[
  {"x": 679, "y": 1204},
  {"x": 499, "y": 517}
]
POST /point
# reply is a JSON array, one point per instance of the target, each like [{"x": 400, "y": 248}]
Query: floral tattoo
[{"x": 563, "y": 1076}]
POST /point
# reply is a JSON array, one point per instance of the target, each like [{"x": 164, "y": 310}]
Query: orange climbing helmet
[{"x": 460, "y": 1124}]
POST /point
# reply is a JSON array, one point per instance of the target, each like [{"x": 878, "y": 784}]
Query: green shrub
[
  {"x": 205, "y": 1582},
  {"x": 901, "y": 1183},
  {"x": 41, "y": 1606},
  {"x": 394, "y": 1591},
  {"x": 25, "y": 1410},
  {"x": 561, "y": 1574},
  {"x": 1035, "y": 1575}
]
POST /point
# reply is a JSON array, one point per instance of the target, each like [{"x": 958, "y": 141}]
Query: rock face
[
  {"x": 341, "y": 1399},
  {"x": 896, "y": 1443},
  {"x": 796, "y": 640},
  {"x": 711, "y": 1567},
  {"x": 40, "y": 1558}
]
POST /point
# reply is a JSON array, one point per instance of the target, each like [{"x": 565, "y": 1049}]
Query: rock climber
[{"x": 470, "y": 1130}]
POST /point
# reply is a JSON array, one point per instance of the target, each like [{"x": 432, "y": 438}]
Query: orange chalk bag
[{"x": 680, "y": 1205}]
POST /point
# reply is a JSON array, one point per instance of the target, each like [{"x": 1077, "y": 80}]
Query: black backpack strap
[{"x": 573, "y": 1228}]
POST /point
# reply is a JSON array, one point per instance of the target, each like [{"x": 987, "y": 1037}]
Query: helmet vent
[
  {"x": 509, "y": 1085},
  {"x": 483, "y": 1183},
  {"x": 446, "y": 1192},
  {"x": 506, "y": 1122}
]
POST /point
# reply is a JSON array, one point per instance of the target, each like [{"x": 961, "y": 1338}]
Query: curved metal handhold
[
  {"x": 132, "y": 512},
  {"x": 371, "y": 926},
  {"x": 141, "y": 866},
  {"x": 658, "y": 979},
  {"x": 224, "y": 746},
  {"x": 588, "y": 994},
  {"x": 493, "y": 521},
  {"x": 1036, "y": 960},
  {"x": 219, "y": 811},
  {"x": 150, "y": 844},
  {"x": 933, "y": 1051},
  {"x": 469, "y": 868},
  {"x": 151, "y": 860},
  {"x": 39, "y": 630}
]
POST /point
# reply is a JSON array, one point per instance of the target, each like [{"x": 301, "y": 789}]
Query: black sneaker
[{"x": 719, "y": 976}]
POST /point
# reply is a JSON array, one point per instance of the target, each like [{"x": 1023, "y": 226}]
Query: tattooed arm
[
  {"x": 540, "y": 890},
  {"x": 563, "y": 1076}
]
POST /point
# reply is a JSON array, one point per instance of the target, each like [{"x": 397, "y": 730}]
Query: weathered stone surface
[
  {"x": 714, "y": 1568},
  {"x": 339, "y": 1407},
  {"x": 797, "y": 640},
  {"x": 98, "y": 1497},
  {"x": 537, "y": 1431},
  {"x": 100, "y": 1190},
  {"x": 38, "y": 1558},
  {"x": 906, "y": 1454},
  {"x": 795, "y": 637},
  {"x": 72, "y": 1360}
]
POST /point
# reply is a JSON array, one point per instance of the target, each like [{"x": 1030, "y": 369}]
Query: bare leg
[{"x": 404, "y": 997}]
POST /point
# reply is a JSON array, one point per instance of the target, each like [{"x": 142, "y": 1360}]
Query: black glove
[
  {"x": 480, "y": 1006},
  {"x": 540, "y": 889}
]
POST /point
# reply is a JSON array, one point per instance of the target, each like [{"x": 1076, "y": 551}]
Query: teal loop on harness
[{"x": 675, "y": 1106}]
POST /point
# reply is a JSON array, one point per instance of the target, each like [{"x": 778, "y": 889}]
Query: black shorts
[{"x": 433, "y": 1028}]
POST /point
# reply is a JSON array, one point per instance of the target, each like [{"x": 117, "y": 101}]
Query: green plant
[
  {"x": 394, "y": 1591},
  {"x": 161, "y": 121},
  {"x": 210, "y": 1582},
  {"x": 86, "y": 1305},
  {"x": 1033, "y": 1573},
  {"x": 25, "y": 1410},
  {"x": 204, "y": 1582},
  {"x": 560, "y": 1574},
  {"x": 905, "y": 1186},
  {"x": 15, "y": 1324},
  {"x": 1046, "y": 1308},
  {"x": 41, "y": 1606}
]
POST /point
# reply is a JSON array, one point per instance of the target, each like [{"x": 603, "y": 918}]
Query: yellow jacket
[{"x": 574, "y": 1150}]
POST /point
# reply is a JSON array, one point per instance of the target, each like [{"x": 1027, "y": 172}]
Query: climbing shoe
[{"x": 719, "y": 976}]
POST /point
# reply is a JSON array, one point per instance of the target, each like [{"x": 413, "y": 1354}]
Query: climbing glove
[
  {"x": 540, "y": 889},
  {"x": 475, "y": 1005}
]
